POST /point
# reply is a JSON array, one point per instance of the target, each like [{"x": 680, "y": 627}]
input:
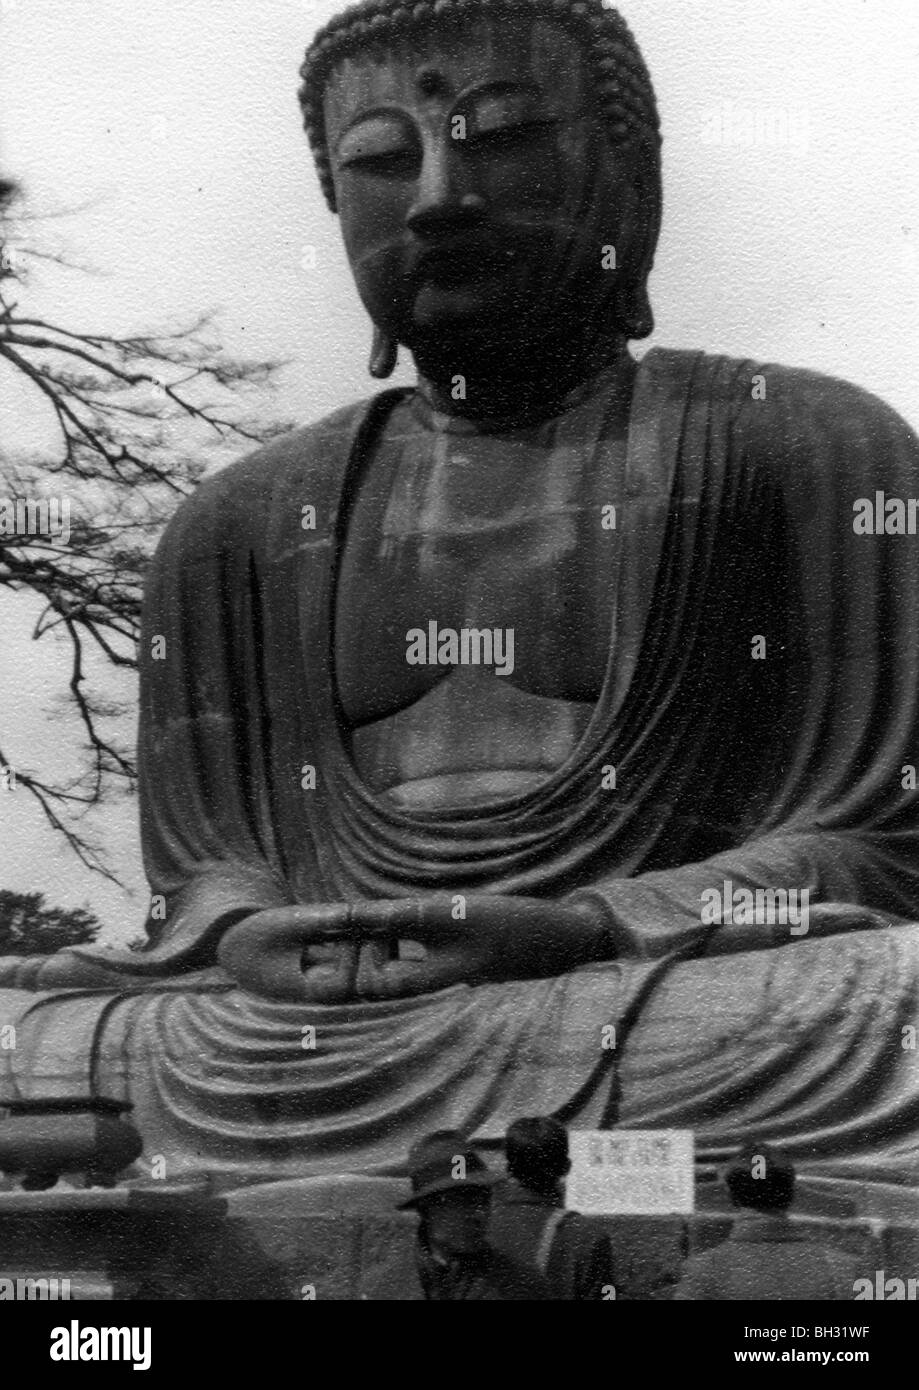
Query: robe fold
[{"x": 760, "y": 711}]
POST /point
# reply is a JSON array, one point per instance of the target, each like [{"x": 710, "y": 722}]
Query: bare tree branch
[{"x": 138, "y": 419}]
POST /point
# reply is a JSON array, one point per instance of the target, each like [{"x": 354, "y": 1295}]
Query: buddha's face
[{"x": 476, "y": 187}]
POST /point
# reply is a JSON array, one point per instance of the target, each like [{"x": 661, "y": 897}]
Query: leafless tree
[{"x": 137, "y": 421}]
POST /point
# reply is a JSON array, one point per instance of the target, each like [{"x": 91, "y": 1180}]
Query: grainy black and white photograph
[{"x": 459, "y": 698}]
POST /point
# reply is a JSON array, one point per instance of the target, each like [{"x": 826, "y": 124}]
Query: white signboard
[{"x": 631, "y": 1172}]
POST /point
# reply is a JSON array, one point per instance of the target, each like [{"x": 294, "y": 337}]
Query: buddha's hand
[
  {"x": 337, "y": 953},
  {"x": 472, "y": 939},
  {"x": 304, "y": 952}
]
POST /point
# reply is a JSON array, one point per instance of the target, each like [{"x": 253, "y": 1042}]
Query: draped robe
[{"x": 734, "y": 523}]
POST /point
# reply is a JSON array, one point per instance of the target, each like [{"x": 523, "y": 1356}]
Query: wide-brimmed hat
[{"x": 444, "y": 1162}]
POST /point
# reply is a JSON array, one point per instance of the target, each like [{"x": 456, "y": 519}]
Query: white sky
[{"x": 179, "y": 120}]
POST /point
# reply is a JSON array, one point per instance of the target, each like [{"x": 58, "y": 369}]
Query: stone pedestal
[{"x": 165, "y": 1242}]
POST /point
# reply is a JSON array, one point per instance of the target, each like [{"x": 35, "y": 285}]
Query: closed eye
[
  {"x": 390, "y": 164},
  {"x": 510, "y": 136}
]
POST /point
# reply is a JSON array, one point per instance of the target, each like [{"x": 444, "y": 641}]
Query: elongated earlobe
[
  {"x": 634, "y": 312},
  {"x": 384, "y": 353},
  {"x": 633, "y": 302}
]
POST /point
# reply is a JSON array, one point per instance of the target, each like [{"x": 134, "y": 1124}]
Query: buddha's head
[{"x": 496, "y": 168}]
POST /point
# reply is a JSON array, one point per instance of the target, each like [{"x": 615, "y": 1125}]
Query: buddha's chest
[
  {"x": 461, "y": 535},
  {"x": 474, "y": 603}
]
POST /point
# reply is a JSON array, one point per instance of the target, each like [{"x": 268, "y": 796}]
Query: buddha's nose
[{"x": 442, "y": 203}]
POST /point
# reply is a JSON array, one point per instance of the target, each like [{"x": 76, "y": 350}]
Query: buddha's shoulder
[
  {"x": 793, "y": 417},
  {"x": 752, "y": 387},
  {"x": 248, "y": 504},
  {"x": 797, "y": 401},
  {"x": 312, "y": 455}
]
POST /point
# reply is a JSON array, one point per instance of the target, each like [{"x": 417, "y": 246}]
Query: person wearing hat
[
  {"x": 451, "y": 1192},
  {"x": 528, "y": 1218},
  {"x": 766, "y": 1256}
]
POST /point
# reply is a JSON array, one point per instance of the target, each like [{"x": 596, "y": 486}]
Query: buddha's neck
[{"x": 530, "y": 391}]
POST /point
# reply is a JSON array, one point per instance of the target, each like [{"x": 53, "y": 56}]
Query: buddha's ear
[
  {"x": 384, "y": 353},
  {"x": 633, "y": 303}
]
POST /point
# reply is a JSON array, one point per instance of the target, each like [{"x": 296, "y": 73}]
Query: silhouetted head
[
  {"x": 536, "y": 1153},
  {"x": 761, "y": 1177}
]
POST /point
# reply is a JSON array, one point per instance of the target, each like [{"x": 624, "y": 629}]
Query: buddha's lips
[{"x": 457, "y": 262}]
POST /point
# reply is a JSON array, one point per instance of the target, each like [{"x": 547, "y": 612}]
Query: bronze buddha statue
[{"x": 394, "y": 894}]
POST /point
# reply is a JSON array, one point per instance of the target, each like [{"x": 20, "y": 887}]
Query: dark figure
[
  {"x": 528, "y": 1220},
  {"x": 451, "y": 1191},
  {"x": 766, "y": 1256}
]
